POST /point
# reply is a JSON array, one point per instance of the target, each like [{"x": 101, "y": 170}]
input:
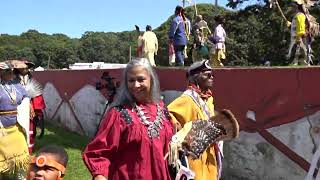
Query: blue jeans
[{"x": 179, "y": 52}]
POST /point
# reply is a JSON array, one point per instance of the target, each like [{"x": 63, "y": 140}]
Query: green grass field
[{"x": 74, "y": 145}]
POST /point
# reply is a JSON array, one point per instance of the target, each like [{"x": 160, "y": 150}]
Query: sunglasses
[{"x": 208, "y": 74}]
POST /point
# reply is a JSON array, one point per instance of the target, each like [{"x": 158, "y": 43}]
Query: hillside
[{"x": 255, "y": 33}]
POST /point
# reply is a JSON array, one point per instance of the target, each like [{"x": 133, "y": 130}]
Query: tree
[{"x": 255, "y": 33}]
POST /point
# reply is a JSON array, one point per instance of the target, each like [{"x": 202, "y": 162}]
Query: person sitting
[{"x": 49, "y": 164}]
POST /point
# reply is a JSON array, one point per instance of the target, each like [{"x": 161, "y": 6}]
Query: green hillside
[{"x": 254, "y": 34}]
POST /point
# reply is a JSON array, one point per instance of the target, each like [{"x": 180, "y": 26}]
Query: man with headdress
[
  {"x": 140, "y": 41},
  {"x": 218, "y": 38},
  {"x": 298, "y": 35},
  {"x": 196, "y": 103},
  {"x": 34, "y": 90},
  {"x": 179, "y": 34},
  {"x": 150, "y": 45}
]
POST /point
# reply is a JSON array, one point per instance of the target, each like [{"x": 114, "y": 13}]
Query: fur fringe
[{"x": 16, "y": 163}]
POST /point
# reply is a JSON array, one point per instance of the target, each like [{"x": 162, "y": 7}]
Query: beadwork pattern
[{"x": 201, "y": 136}]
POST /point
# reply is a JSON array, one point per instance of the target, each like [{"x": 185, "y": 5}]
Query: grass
[{"x": 73, "y": 144}]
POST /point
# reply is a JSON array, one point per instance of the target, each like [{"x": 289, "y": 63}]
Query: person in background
[
  {"x": 150, "y": 45},
  {"x": 140, "y": 42},
  {"x": 196, "y": 103},
  {"x": 171, "y": 54},
  {"x": 298, "y": 35},
  {"x": 34, "y": 90},
  {"x": 14, "y": 155},
  {"x": 218, "y": 38},
  {"x": 49, "y": 164},
  {"x": 200, "y": 38},
  {"x": 179, "y": 34},
  {"x": 134, "y": 136}
]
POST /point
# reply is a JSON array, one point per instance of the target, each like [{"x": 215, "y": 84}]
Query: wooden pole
[
  {"x": 279, "y": 8},
  {"x": 49, "y": 62},
  {"x": 195, "y": 7},
  {"x": 130, "y": 53}
]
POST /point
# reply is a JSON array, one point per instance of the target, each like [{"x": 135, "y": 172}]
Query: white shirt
[
  {"x": 220, "y": 36},
  {"x": 150, "y": 42}
]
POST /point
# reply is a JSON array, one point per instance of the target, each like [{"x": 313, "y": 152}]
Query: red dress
[{"x": 122, "y": 149}]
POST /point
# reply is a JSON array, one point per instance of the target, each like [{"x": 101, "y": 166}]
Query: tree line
[{"x": 255, "y": 33}]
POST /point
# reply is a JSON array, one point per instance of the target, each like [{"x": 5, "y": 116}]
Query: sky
[{"x": 74, "y": 17}]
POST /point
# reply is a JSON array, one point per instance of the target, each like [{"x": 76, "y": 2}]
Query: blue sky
[{"x": 74, "y": 17}]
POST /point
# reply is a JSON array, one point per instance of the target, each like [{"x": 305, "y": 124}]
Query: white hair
[{"x": 124, "y": 97}]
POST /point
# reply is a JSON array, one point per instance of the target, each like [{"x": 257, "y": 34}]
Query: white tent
[
  {"x": 39, "y": 69},
  {"x": 96, "y": 65}
]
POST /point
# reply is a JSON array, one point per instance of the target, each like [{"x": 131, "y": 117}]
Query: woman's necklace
[
  {"x": 152, "y": 127},
  {"x": 11, "y": 93}
]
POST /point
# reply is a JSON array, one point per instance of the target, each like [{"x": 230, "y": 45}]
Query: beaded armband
[{"x": 124, "y": 114}]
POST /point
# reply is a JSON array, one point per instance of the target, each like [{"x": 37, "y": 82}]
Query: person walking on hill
[
  {"x": 150, "y": 45},
  {"x": 200, "y": 38},
  {"x": 218, "y": 38},
  {"x": 139, "y": 42},
  {"x": 179, "y": 34},
  {"x": 298, "y": 35}
]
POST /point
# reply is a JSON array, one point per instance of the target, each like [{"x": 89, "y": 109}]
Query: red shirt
[
  {"x": 124, "y": 151},
  {"x": 38, "y": 103}
]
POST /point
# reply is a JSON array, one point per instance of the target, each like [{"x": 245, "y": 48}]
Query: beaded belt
[
  {"x": 6, "y": 120},
  {"x": 12, "y": 112}
]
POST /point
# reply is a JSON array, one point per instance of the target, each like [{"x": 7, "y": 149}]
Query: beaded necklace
[{"x": 152, "y": 127}]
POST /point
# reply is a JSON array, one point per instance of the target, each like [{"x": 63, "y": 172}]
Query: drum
[{"x": 226, "y": 118}]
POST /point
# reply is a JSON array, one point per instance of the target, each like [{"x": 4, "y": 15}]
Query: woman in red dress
[{"x": 134, "y": 136}]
